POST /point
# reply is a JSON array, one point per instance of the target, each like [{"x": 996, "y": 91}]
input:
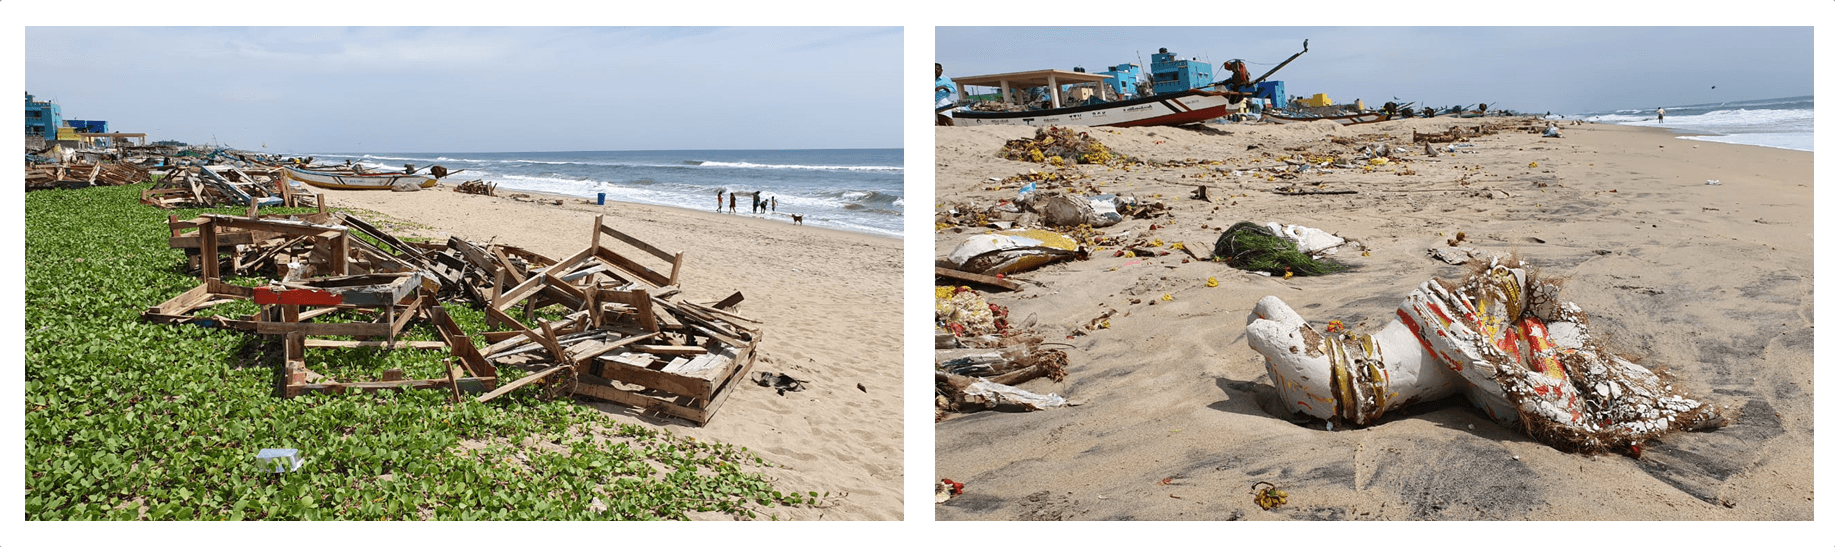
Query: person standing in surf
[{"x": 1659, "y": 114}]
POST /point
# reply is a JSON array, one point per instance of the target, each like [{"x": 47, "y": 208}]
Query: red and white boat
[{"x": 1189, "y": 106}]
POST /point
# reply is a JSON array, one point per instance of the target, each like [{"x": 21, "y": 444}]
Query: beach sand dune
[
  {"x": 829, "y": 301},
  {"x": 1178, "y": 420}
]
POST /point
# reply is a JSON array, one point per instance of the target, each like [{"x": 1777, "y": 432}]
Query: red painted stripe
[
  {"x": 1182, "y": 117},
  {"x": 301, "y": 297}
]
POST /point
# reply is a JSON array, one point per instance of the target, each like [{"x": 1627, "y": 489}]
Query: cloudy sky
[
  {"x": 470, "y": 89},
  {"x": 1563, "y": 69}
]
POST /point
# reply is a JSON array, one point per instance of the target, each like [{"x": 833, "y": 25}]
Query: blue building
[
  {"x": 42, "y": 118},
  {"x": 1275, "y": 90},
  {"x": 1171, "y": 75},
  {"x": 89, "y": 126},
  {"x": 1124, "y": 78}
]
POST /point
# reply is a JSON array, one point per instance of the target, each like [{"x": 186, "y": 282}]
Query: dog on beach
[{"x": 796, "y": 219}]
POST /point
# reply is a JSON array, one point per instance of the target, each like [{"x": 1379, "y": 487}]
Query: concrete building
[
  {"x": 42, "y": 118},
  {"x": 1171, "y": 75},
  {"x": 1124, "y": 78}
]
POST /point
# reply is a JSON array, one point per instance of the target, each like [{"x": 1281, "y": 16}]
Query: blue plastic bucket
[{"x": 602, "y": 198}]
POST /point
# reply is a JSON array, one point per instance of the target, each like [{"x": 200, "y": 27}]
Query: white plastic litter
[
  {"x": 1309, "y": 240},
  {"x": 978, "y": 245},
  {"x": 993, "y": 394}
]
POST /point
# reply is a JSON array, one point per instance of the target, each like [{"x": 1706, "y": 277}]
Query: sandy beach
[
  {"x": 829, "y": 301},
  {"x": 1177, "y": 418}
]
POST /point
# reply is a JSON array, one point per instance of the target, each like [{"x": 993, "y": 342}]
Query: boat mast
[{"x": 1304, "y": 46}]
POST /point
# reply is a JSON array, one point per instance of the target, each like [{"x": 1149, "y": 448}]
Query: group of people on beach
[{"x": 759, "y": 203}]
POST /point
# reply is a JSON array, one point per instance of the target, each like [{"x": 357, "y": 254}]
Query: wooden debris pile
[
  {"x": 225, "y": 184},
  {"x": 81, "y": 175},
  {"x": 478, "y": 187},
  {"x": 598, "y": 324},
  {"x": 626, "y": 335}
]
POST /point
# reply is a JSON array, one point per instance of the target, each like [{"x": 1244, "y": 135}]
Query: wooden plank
[
  {"x": 977, "y": 278},
  {"x": 596, "y": 348},
  {"x": 670, "y": 350},
  {"x": 609, "y": 393},
  {"x": 655, "y": 379},
  {"x": 348, "y": 344},
  {"x": 629, "y": 267},
  {"x": 505, "y": 266},
  {"x": 730, "y": 301},
  {"x": 229, "y": 239},
  {"x": 207, "y": 247},
  {"x": 523, "y": 381},
  {"x": 322, "y": 329},
  {"x": 634, "y": 242}
]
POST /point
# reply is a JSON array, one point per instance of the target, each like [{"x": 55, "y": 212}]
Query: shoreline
[
  {"x": 577, "y": 203},
  {"x": 1712, "y": 281}
]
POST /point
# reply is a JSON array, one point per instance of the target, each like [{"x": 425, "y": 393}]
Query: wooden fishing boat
[
  {"x": 1347, "y": 119},
  {"x": 1189, "y": 106},
  {"x": 352, "y": 181}
]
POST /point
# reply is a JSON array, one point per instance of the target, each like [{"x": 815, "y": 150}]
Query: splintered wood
[{"x": 600, "y": 324}]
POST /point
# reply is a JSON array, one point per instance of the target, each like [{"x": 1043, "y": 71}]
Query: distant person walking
[
  {"x": 1659, "y": 114},
  {"x": 755, "y": 202},
  {"x": 719, "y": 197},
  {"x": 773, "y": 204},
  {"x": 732, "y": 202}
]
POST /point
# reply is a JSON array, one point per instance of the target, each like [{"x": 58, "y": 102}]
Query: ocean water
[
  {"x": 861, "y": 190},
  {"x": 1778, "y": 123}
]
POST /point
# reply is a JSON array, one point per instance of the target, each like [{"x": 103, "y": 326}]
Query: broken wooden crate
[{"x": 627, "y": 338}]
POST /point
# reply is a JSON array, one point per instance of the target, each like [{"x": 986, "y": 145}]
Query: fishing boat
[
  {"x": 1189, "y": 106},
  {"x": 353, "y": 181},
  {"x": 1188, "y": 96},
  {"x": 1347, "y": 119}
]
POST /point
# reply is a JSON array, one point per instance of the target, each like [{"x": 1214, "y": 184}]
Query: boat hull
[
  {"x": 338, "y": 181},
  {"x": 1171, "y": 109},
  {"x": 1348, "y": 119}
]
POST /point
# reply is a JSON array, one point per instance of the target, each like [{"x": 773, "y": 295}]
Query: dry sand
[
  {"x": 1713, "y": 282},
  {"x": 829, "y": 300}
]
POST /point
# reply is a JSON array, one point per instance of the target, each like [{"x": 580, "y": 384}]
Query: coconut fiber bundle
[{"x": 1249, "y": 246}]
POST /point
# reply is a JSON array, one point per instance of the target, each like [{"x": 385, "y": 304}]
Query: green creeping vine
[{"x": 128, "y": 420}]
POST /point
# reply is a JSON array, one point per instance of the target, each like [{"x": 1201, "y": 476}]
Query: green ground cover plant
[{"x": 128, "y": 420}]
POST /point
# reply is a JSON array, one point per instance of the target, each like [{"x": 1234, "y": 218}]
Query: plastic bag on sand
[
  {"x": 1069, "y": 210},
  {"x": 1311, "y": 241},
  {"x": 1011, "y": 251},
  {"x": 993, "y": 394},
  {"x": 1105, "y": 208}
]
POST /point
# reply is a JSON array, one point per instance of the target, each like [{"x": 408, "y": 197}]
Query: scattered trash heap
[
  {"x": 980, "y": 357},
  {"x": 624, "y": 334}
]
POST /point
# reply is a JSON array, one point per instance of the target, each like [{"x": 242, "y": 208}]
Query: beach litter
[
  {"x": 1012, "y": 251},
  {"x": 1059, "y": 146},
  {"x": 1498, "y": 337},
  {"x": 1248, "y": 246},
  {"x": 1267, "y": 496},
  {"x": 974, "y": 344},
  {"x": 280, "y": 460}
]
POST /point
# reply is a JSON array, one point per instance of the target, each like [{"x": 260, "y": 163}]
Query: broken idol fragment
[{"x": 1499, "y": 338}]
